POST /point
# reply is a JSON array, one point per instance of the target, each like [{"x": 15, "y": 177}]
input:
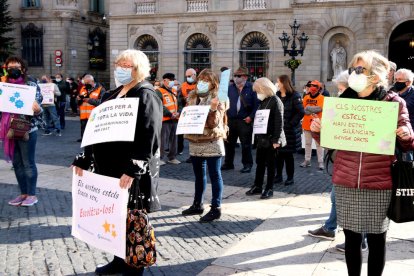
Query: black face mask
[
  {"x": 399, "y": 86},
  {"x": 88, "y": 86},
  {"x": 14, "y": 73}
]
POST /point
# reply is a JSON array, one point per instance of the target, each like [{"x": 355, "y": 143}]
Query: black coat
[
  {"x": 274, "y": 134},
  {"x": 116, "y": 158},
  {"x": 292, "y": 115}
]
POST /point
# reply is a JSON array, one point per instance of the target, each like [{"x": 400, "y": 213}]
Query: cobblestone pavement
[{"x": 37, "y": 240}]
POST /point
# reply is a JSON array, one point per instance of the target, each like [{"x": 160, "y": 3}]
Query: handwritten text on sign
[
  {"x": 193, "y": 119},
  {"x": 16, "y": 98},
  {"x": 114, "y": 120},
  {"x": 47, "y": 90},
  {"x": 359, "y": 125},
  {"x": 99, "y": 212}
]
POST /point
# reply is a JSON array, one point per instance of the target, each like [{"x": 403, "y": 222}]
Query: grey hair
[
  {"x": 89, "y": 77},
  {"x": 193, "y": 72},
  {"x": 139, "y": 60},
  {"x": 342, "y": 78},
  {"x": 393, "y": 65},
  {"x": 376, "y": 64},
  {"x": 407, "y": 73},
  {"x": 265, "y": 86}
]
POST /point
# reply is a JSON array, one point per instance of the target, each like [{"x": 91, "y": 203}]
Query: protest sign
[
  {"x": 224, "y": 85},
  {"x": 114, "y": 120},
  {"x": 16, "y": 98},
  {"x": 193, "y": 119},
  {"x": 47, "y": 90},
  {"x": 99, "y": 212},
  {"x": 260, "y": 121},
  {"x": 359, "y": 125}
]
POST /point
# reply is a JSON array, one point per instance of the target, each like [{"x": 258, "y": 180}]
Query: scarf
[{"x": 8, "y": 144}]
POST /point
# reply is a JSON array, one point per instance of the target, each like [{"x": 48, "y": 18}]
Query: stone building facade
[
  {"x": 78, "y": 29},
  {"x": 215, "y": 33}
]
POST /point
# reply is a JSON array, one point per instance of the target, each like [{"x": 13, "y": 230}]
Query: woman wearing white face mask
[
  {"x": 135, "y": 163},
  {"x": 268, "y": 143},
  {"x": 207, "y": 149},
  {"x": 363, "y": 180}
]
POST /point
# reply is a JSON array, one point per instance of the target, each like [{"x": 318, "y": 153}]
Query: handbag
[
  {"x": 401, "y": 207},
  {"x": 140, "y": 236},
  {"x": 19, "y": 127}
]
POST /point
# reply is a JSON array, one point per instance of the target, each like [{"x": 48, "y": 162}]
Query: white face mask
[
  {"x": 190, "y": 80},
  {"x": 277, "y": 87},
  {"x": 261, "y": 97},
  {"x": 171, "y": 84},
  {"x": 358, "y": 82}
]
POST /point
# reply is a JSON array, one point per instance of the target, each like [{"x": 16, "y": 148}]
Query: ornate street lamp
[{"x": 293, "y": 63}]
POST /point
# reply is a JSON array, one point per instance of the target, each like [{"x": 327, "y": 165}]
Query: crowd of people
[{"x": 359, "y": 204}]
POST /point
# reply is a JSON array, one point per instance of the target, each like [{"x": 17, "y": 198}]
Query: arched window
[
  {"x": 254, "y": 54},
  {"x": 32, "y": 42},
  {"x": 147, "y": 44},
  {"x": 401, "y": 49},
  {"x": 198, "y": 52}
]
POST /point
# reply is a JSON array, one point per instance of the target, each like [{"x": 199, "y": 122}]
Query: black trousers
[
  {"x": 238, "y": 128},
  {"x": 180, "y": 143},
  {"x": 282, "y": 158},
  {"x": 265, "y": 158},
  {"x": 353, "y": 253},
  {"x": 83, "y": 126}
]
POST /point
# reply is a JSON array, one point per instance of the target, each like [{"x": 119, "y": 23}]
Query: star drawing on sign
[
  {"x": 114, "y": 234},
  {"x": 19, "y": 103},
  {"x": 17, "y": 95},
  {"x": 12, "y": 99},
  {"x": 384, "y": 145},
  {"x": 106, "y": 226}
]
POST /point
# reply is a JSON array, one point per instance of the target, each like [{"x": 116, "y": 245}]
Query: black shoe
[
  {"x": 289, "y": 182},
  {"x": 213, "y": 214},
  {"x": 266, "y": 194},
  {"x": 116, "y": 266},
  {"x": 195, "y": 209},
  {"x": 226, "y": 167},
  {"x": 246, "y": 169},
  {"x": 321, "y": 232},
  {"x": 254, "y": 190},
  {"x": 278, "y": 179},
  {"x": 188, "y": 160}
]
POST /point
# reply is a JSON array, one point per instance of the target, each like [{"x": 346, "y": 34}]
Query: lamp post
[{"x": 293, "y": 63}]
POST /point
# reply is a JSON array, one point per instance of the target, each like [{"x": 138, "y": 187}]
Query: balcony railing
[
  {"x": 197, "y": 6},
  {"x": 254, "y": 4},
  {"x": 145, "y": 7}
]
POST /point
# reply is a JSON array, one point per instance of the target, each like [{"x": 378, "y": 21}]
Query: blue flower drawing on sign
[
  {"x": 17, "y": 95},
  {"x": 12, "y": 99},
  {"x": 19, "y": 103}
]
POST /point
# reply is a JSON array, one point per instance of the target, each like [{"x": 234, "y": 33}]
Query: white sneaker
[
  {"x": 305, "y": 164},
  {"x": 162, "y": 162},
  {"x": 321, "y": 166},
  {"x": 174, "y": 161}
]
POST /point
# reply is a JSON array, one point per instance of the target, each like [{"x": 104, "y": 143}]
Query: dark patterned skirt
[{"x": 361, "y": 210}]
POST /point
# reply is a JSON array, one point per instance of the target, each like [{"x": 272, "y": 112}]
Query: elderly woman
[
  {"x": 268, "y": 143},
  {"x": 292, "y": 114},
  {"x": 136, "y": 160},
  {"x": 21, "y": 151},
  {"x": 363, "y": 180},
  {"x": 207, "y": 148},
  {"x": 341, "y": 82}
]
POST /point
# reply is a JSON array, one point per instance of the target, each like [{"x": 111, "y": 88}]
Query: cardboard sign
[
  {"x": 16, "y": 98},
  {"x": 193, "y": 119},
  {"x": 359, "y": 125},
  {"x": 99, "y": 212},
  {"x": 47, "y": 90},
  {"x": 261, "y": 120},
  {"x": 223, "y": 93},
  {"x": 114, "y": 120}
]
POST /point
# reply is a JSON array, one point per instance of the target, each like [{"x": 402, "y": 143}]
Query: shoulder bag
[{"x": 19, "y": 127}]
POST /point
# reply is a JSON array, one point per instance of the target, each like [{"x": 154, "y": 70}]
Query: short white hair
[
  {"x": 407, "y": 73},
  {"x": 342, "y": 78},
  {"x": 89, "y": 77},
  {"x": 192, "y": 71},
  {"x": 139, "y": 60},
  {"x": 265, "y": 86}
]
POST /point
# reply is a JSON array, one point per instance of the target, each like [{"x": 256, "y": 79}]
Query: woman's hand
[
  {"x": 36, "y": 108},
  {"x": 78, "y": 171},
  {"x": 125, "y": 181},
  {"x": 315, "y": 125},
  {"x": 275, "y": 146},
  {"x": 214, "y": 103},
  {"x": 403, "y": 132}
]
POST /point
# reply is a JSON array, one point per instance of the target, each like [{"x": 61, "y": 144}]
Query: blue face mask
[
  {"x": 171, "y": 84},
  {"x": 123, "y": 75},
  {"x": 202, "y": 88}
]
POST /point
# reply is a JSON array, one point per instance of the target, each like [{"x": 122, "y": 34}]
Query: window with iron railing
[
  {"x": 31, "y": 3},
  {"x": 148, "y": 45},
  {"x": 254, "y": 54},
  {"x": 97, "y": 6},
  {"x": 32, "y": 42},
  {"x": 198, "y": 52}
]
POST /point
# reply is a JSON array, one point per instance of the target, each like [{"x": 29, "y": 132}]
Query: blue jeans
[
  {"x": 330, "y": 223},
  {"x": 24, "y": 164},
  {"x": 49, "y": 116},
  {"x": 199, "y": 168},
  {"x": 60, "y": 109}
]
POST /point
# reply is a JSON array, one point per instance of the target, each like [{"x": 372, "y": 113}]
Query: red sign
[
  {"x": 58, "y": 53},
  {"x": 58, "y": 60}
]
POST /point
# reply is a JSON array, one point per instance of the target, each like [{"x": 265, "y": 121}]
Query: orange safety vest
[
  {"x": 169, "y": 100},
  {"x": 3, "y": 79},
  {"x": 86, "y": 108},
  {"x": 308, "y": 101},
  {"x": 187, "y": 88}
]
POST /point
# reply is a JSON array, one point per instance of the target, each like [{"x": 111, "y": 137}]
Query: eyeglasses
[
  {"x": 124, "y": 66},
  {"x": 358, "y": 70},
  {"x": 188, "y": 76},
  {"x": 238, "y": 76}
]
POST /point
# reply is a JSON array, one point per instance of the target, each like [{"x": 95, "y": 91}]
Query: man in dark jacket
[
  {"x": 61, "y": 100},
  {"x": 243, "y": 106}
]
